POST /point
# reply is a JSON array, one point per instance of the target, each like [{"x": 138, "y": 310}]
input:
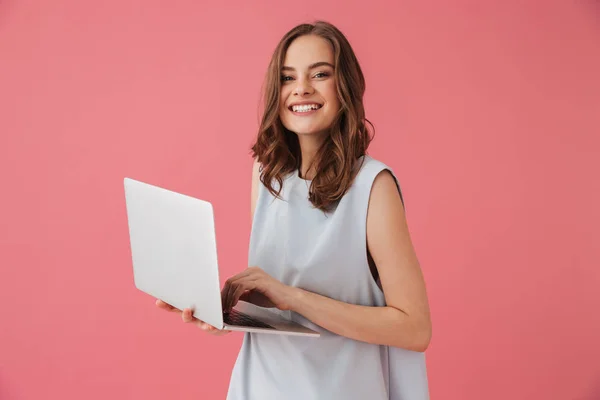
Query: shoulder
[
  {"x": 380, "y": 181},
  {"x": 373, "y": 170},
  {"x": 369, "y": 167},
  {"x": 384, "y": 181},
  {"x": 385, "y": 191}
]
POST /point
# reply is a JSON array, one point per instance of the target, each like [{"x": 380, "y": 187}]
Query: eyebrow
[{"x": 311, "y": 66}]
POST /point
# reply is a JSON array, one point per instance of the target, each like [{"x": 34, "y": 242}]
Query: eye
[
  {"x": 285, "y": 78},
  {"x": 322, "y": 75}
]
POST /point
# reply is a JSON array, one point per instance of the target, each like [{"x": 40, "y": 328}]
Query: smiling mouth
[{"x": 305, "y": 107}]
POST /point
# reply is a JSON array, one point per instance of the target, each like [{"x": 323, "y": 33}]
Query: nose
[{"x": 303, "y": 88}]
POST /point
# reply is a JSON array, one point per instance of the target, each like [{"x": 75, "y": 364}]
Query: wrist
[{"x": 295, "y": 298}]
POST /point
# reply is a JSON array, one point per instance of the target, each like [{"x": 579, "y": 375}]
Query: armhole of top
[{"x": 371, "y": 263}]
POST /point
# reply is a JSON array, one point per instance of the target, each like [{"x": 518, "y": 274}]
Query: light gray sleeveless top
[{"x": 324, "y": 253}]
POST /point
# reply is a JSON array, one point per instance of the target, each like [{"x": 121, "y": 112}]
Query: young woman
[{"x": 330, "y": 247}]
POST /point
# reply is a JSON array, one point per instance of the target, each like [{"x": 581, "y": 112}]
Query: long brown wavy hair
[{"x": 336, "y": 163}]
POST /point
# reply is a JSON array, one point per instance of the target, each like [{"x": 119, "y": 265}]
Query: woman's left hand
[{"x": 255, "y": 280}]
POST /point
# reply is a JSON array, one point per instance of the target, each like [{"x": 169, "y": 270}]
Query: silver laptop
[{"x": 174, "y": 254}]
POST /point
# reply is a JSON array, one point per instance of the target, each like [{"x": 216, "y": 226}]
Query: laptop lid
[{"x": 173, "y": 248}]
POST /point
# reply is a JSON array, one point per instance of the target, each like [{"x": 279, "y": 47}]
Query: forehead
[{"x": 306, "y": 50}]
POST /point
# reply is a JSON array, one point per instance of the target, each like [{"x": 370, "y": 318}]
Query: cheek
[
  {"x": 283, "y": 96},
  {"x": 331, "y": 94},
  {"x": 285, "y": 92}
]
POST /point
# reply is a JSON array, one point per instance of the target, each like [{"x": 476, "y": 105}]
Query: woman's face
[{"x": 309, "y": 100}]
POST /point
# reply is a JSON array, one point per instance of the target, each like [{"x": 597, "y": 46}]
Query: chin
[
  {"x": 306, "y": 131},
  {"x": 310, "y": 133},
  {"x": 314, "y": 130}
]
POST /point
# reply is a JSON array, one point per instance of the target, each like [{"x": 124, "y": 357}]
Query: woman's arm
[{"x": 405, "y": 321}]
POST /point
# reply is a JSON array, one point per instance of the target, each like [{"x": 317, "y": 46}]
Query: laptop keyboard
[{"x": 237, "y": 318}]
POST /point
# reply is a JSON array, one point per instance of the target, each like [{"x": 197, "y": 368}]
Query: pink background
[{"x": 489, "y": 112}]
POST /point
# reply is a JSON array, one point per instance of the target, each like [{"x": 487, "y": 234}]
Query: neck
[{"x": 309, "y": 145}]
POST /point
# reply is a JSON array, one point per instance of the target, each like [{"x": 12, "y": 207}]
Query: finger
[
  {"x": 232, "y": 285},
  {"x": 226, "y": 293},
  {"x": 250, "y": 275},
  {"x": 230, "y": 293},
  {"x": 226, "y": 290},
  {"x": 162, "y": 304},
  {"x": 251, "y": 296},
  {"x": 204, "y": 326},
  {"x": 248, "y": 286},
  {"x": 211, "y": 329},
  {"x": 246, "y": 296},
  {"x": 246, "y": 272},
  {"x": 216, "y": 332},
  {"x": 186, "y": 315},
  {"x": 165, "y": 306}
]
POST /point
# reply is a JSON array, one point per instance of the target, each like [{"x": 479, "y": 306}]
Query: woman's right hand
[{"x": 186, "y": 316}]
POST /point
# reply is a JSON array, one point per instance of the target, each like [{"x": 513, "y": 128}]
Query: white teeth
[{"x": 305, "y": 108}]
